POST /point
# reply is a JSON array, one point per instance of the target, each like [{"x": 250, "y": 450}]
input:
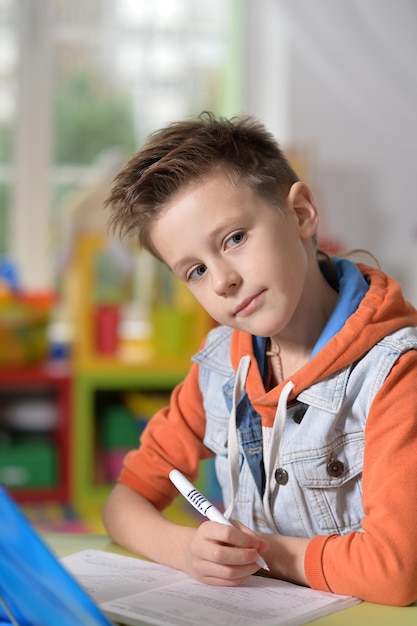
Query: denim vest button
[
  {"x": 281, "y": 476},
  {"x": 335, "y": 468}
]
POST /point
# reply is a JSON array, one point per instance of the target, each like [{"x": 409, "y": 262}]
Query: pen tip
[{"x": 263, "y": 564}]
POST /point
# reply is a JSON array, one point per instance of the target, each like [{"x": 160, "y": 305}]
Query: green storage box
[
  {"x": 119, "y": 428},
  {"x": 28, "y": 465}
]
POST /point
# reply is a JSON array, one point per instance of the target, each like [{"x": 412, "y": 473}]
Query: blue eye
[
  {"x": 197, "y": 272},
  {"x": 235, "y": 240}
]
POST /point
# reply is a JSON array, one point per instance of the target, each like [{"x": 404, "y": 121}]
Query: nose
[{"x": 225, "y": 279}]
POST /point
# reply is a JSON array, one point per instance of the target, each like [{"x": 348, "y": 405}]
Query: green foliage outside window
[
  {"x": 5, "y": 143},
  {"x": 91, "y": 116},
  {"x": 4, "y": 199},
  {"x": 5, "y": 159}
]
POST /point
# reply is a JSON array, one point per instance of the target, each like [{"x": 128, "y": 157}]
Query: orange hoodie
[{"x": 378, "y": 564}]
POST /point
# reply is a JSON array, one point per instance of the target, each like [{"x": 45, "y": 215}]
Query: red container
[{"x": 106, "y": 329}]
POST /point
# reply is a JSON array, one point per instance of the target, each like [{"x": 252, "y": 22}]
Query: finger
[
  {"x": 225, "y": 575},
  {"x": 230, "y": 535},
  {"x": 259, "y": 543}
]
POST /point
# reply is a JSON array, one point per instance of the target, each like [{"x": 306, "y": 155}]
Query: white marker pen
[{"x": 204, "y": 506}]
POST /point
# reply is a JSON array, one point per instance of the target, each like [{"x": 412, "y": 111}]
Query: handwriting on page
[
  {"x": 132, "y": 591},
  {"x": 189, "y": 603},
  {"x": 107, "y": 576}
]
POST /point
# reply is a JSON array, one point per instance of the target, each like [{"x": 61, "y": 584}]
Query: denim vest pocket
[
  {"x": 331, "y": 480},
  {"x": 216, "y": 435}
]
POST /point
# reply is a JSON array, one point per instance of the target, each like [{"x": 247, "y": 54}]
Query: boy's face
[{"x": 245, "y": 262}]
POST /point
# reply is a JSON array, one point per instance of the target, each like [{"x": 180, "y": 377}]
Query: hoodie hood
[{"x": 382, "y": 311}]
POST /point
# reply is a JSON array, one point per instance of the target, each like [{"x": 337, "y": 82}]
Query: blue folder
[{"x": 35, "y": 589}]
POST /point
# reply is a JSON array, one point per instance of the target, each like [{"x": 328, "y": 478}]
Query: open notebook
[
  {"x": 34, "y": 587},
  {"x": 36, "y": 590}
]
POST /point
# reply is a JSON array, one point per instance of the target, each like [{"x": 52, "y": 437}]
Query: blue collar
[{"x": 352, "y": 288}]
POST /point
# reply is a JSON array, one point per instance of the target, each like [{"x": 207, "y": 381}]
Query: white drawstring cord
[
  {"x": 232, "y": 441},
  {"x": 271, "y": 441}
]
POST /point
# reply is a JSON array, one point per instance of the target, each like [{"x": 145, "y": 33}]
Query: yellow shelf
[{"x": 176, "y": 333}]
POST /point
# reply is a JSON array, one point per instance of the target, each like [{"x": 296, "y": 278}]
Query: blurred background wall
[
  {"x": 338, "y": 77},
  {"x": 82, "y": 82}
]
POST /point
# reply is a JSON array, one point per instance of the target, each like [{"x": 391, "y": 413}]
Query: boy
[{"x": 305, "y": 392}]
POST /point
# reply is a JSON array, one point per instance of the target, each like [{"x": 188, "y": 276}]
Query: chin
[{"x": 252, "y": 330}]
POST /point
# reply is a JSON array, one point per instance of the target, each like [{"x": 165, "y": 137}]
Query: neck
[{"x": 291, "y": 349}]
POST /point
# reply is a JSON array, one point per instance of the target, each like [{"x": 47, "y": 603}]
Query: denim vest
[{"x": 318, "y": 468}]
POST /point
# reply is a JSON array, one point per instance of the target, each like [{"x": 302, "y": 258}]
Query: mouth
[{"x": 247, "y": 306}]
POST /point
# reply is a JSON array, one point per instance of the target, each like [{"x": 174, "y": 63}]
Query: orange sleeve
[
  {"x": 380, "y": 564},
  {"x": 172, "y": 439}
]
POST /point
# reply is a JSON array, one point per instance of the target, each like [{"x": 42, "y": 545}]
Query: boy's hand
[{"x": 223, "y": 555}]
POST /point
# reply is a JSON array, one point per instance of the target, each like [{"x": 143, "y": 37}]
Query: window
[
  {"x": 82, "y": 83},
  {"x": 8, "y": 70}
]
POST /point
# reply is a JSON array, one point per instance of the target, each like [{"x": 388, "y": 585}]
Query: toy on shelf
[
  {"x": 24, "y": 319},
  {"x": 128, "y": 308}
]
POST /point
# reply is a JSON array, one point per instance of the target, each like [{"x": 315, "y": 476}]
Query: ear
[{"x": 300, "y": 201}]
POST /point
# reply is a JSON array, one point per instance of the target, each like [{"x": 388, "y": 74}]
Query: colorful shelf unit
[
  {"x": 102, "y": 432},
  {"x": 35, "y": 432},
  {"x": 111, "y": 410},
  {"x": 135, "y": 331}
]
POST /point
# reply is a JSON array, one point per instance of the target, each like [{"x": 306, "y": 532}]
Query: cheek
[
  {"x": 200, "y": 293},
  {"x": 206, "y": 297},
  {"x": 286, "y": 268}
]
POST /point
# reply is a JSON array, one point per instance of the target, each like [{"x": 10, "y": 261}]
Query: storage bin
[
  {"x": 28, "y": 464},
  {"x": 120, "y": 429}
]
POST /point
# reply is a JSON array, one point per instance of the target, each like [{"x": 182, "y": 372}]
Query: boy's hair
[{"x": 184, "y": 153}]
